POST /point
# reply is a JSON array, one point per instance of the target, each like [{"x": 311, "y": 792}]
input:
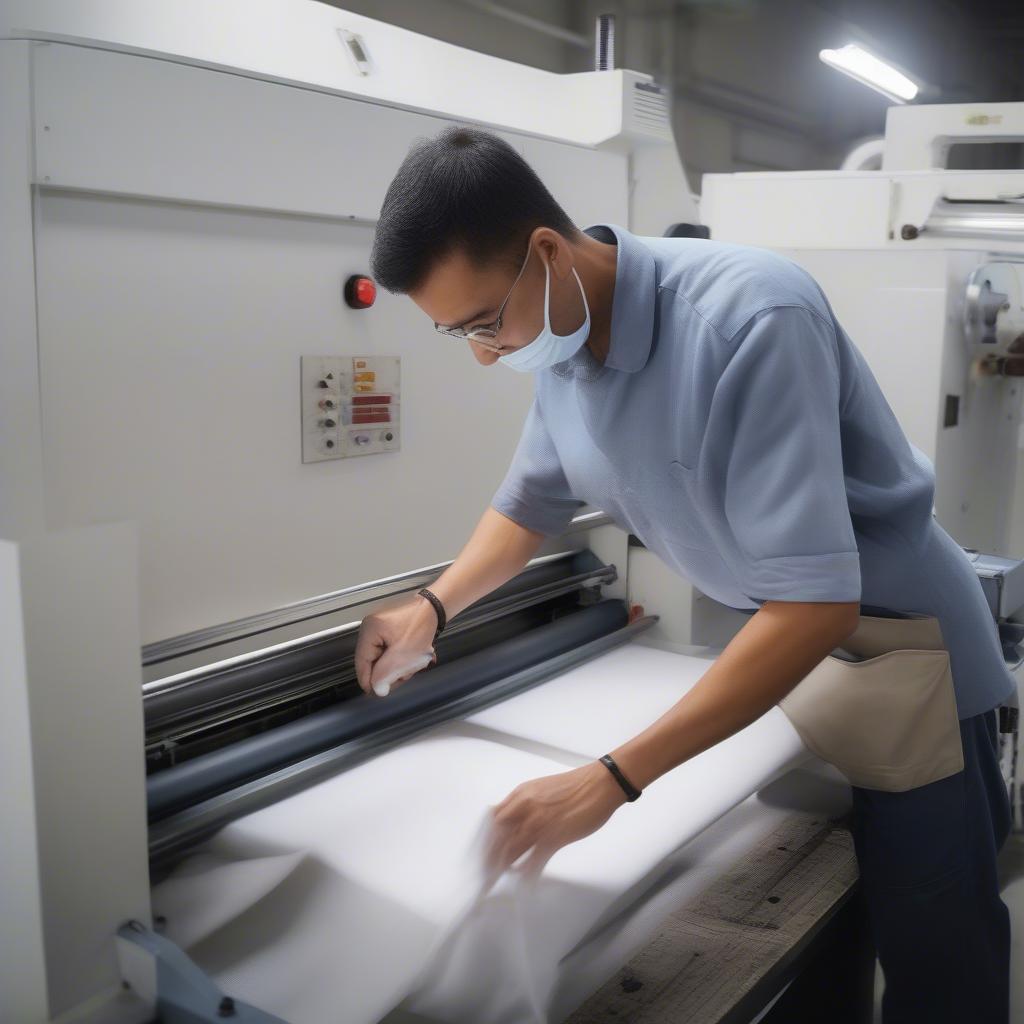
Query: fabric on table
[
  {"x": 384, "y": 907},
  {"x": 206, "y": 892},
  {"x": 388, "y": 862},
  {"x": 586, "y": 712}
]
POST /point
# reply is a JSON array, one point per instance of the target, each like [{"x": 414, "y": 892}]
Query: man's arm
[
  {"x": 780, "y": 644},
  {"x": 497, "y": 549},
  {"x": 533, "y": 501},
  {"x": 766, "y": 659}
]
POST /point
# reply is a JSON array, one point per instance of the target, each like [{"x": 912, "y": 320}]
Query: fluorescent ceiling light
[{"x": 869, "y": 70}]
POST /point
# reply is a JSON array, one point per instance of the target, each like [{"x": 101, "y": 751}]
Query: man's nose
[{"x": 484, "y": 356}]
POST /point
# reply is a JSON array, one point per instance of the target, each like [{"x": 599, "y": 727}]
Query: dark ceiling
[{"x": 972, "y": 51}]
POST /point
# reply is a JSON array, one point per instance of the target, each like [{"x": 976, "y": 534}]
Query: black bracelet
[
  {"x": 442, "y": 619},
  {"x": 632, "y": 793}
]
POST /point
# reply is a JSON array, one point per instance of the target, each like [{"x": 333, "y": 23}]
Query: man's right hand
[
  {"x": 392, "y": 639},
  {"x": 402, "y": 635}
]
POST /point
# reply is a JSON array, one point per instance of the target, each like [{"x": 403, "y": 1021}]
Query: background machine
[
  {"x": 221, "y": 447},
  {"x": 924, "y": 266}
]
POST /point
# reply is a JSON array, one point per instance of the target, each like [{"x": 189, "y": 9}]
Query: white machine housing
[
  {"x": 185, "y": 187},
  {"x": 896, "y": 252}
]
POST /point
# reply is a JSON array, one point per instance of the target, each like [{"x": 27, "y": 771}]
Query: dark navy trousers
[{"x": 927, "y": 862}]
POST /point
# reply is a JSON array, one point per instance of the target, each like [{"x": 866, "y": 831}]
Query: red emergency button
[{"x": 360, "y": 291}]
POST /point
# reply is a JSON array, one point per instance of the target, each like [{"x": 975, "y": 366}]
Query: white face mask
[{"x": 549, "y": 348}]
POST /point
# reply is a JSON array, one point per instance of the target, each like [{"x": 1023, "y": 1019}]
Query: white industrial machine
[
  {"x": 202, "y": 815},
  {"x": 924, "y": 267}
]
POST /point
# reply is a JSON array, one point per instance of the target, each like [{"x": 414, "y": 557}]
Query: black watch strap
[
  {"x": 632, "y": 793},
  {"x": 442, "y": 619}
]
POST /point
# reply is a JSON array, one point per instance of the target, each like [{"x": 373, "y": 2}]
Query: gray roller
[
  {"x": 263, "y": 678},
  {"x": 179, "y": 787}
]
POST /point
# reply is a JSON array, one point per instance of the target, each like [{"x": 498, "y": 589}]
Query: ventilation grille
[{"x": 650, "y": 111}]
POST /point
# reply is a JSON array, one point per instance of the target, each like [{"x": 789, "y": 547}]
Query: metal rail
[
  {"x": 215, "y": 695},
  {"x": 325, "y": 604}
]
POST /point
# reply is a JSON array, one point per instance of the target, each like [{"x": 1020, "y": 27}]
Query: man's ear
[{"x": 555, "y": 251}]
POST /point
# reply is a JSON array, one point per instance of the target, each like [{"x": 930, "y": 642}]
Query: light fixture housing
[{"x": 866, "y": 68}]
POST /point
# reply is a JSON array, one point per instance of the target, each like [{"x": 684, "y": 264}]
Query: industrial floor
[{"x": 1011, "y": 864}]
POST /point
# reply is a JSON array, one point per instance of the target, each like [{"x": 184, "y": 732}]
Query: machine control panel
[{"x": 350, "y": 406}]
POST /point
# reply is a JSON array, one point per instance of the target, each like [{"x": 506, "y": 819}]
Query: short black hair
[{"x": 464, "y": 188}]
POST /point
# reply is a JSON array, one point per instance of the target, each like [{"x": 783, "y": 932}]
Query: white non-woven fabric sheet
[
  {"x": 207, "y": 891},
  {"x": 594, "y": 707},
  {"x": 389, "y": 862},
  {"x": 584, "y": 713},
  {"x": 380, "y": 903}
]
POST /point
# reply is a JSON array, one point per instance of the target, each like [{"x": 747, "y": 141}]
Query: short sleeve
[
  {"x": 535, "y": 493},
  {"x": 774, "y": 462}
]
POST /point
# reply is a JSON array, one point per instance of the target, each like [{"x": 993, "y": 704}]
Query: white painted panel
[
  {"x": 170, "y": 340},
  {"x": 297, "y": 42},
  {"x": 171, "y": 332},
  {"x": 893, "y": 307},
  {"x": 80, "y": 601},
  {"x": 22, "y": 965},
  {"x": 21, "y": 490},
  {"x": 903, "y": 311},
  {"x": 590, "y": 185},
  {"x": 113, "y": 122},
  {"x": 795, "y": 210}
]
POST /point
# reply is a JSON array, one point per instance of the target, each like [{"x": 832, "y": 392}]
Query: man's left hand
[{"x": 541, "y": 816}]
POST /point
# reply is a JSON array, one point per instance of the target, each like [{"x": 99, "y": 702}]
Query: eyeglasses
[{"x": 484, "y": 331}]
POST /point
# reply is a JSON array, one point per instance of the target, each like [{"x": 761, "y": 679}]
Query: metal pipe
[
  {"x": 996, "y": 220},
  {"x": 196, "y": 701},
  {"x": 865, "y": 156},
  {"x": 321, "y": 605},
  {"x": 544, "y": 577},
  {"x": 604, "y": 43}
]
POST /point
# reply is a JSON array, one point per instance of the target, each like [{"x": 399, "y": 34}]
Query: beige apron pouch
[{"x": 888, "y": 721}]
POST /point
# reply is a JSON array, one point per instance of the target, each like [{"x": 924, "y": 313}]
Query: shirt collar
[{"x": 632, "y": 330}]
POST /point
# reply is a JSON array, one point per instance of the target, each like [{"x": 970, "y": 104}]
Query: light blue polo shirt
[{"x": 736, "y": 430}]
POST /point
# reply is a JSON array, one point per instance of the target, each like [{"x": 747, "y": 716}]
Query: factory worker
[{"x": 705, "y": 396}]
